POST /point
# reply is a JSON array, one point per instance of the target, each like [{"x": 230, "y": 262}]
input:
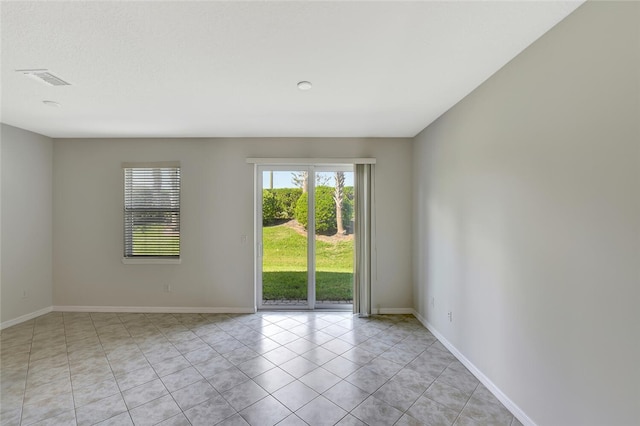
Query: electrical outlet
[
  {"x": 25, "y": 294},
  {"x": 167, "y": 288},
  {"x": 243, "y": 239},
  {"x": 450, "y": 314}
]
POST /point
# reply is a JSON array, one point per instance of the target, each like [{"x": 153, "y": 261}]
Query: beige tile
[
  {"x": 366, "y": 380},
  {"x": 321, "y": 412},
  {"x": 292, "y": 420},
  {"x": 11, "y": 417},
  {"x": 131, "y": 364},
  {"x": 459, "y": 378},
  {"x": 228, "y": 379},
  {"x": 300, "y": 346},
  {"x": 244, "y": 395},
  {"x": 212, "y": 411},
  {"x": 100, "y": 410},
  {"x": 155, "y": 411},
  {"x": 213, "y": 367},
  {"x": 87, "y": 379},
  {"x": 280, "y": 355},
  {"x": 47, "y": 375},
  {"x": 295, "y": 395},
  {"x": 466, "y": 421},
  {"x": 240, "y": 355},
  {"x": 447, "y": 395},
  {"x": 93, "y": 393},
  {"x": 135, "y": 378},
  {"x": 177, "y": 420},
  {"x": 181, "y": 378},
  {"x": 68, "y": 418},
  {"x": 430, "y": 412},
  {"x": 298, "y": 366},
  {"x": 359, "y": 355},
  {"x": 46, "y": 408},
  {"x": 384, "y": 367},
  {"x": 71, "y": 358},
  {"x": 256, "y": 366},
  {"x": 398, "y": 394},
  {"x": 200, "y": 355},
  {"x": 194, "y": 394},
  {"x": 266, "y": 412},
  {"x": 346, "y": 395},
  {"x": 341, "y": 367},
  {"x": 142, "y": 394},
  {"x": 337, "y": 346},
  {"x": 170, "y": 366},
  {"x": 487, "y": 412},
  {"x": 375, "y": 412},
  {"x": 320, "y": 380},
  {"x": 407, "y": 420},
  {"x": 350, "y": 420},
  {"x": 35, "y": 394},
  {"x": 274, "y": 379}
]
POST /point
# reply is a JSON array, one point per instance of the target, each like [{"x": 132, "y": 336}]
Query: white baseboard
[
  {"x": 155, "y": 309},
  {"x": 26, "y": 317},
  {"x": 504, "y": 399},
  {"x": 394, "y": 311}
]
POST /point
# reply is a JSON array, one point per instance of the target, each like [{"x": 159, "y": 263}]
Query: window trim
[{"x": 150, "y": 259}]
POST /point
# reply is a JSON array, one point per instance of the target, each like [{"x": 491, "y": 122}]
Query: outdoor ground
[{"x": 285, "y": 264}]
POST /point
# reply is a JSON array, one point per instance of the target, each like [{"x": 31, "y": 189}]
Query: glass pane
[
  {"x": 152, "y": 212},
  {"x": 334, "y": 238},
  {"x": 284, "y": 238}
]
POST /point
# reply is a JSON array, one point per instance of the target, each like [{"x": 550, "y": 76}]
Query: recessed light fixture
[
  {"x": 304, "y": 85},
  {"x": 44, "y": 76},
  {"x": 52, "y": 104}
]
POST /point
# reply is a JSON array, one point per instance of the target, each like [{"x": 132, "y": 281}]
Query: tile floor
[{"x": 285, "y": 368}]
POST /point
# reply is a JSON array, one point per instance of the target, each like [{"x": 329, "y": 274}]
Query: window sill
[{"x": 150, "y": 261}]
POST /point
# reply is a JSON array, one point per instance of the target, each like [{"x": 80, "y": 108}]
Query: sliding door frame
[
  {"x": 259, "y": 251},
  {"x": 311, "y": 169}
]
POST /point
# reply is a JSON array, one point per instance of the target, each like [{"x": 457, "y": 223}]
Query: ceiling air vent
[{"x": 44, "y": 76}]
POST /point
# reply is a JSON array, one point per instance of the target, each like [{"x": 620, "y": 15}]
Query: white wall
[
  {"x": 217, "y": 208},
  {"x": 26, "y": 223},
  {"x": 527, "y": 220}
]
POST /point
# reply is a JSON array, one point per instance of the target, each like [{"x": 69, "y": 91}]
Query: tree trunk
[{"x": 338, "y": 197}]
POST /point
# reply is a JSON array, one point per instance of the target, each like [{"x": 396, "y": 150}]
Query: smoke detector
[
  {"x": 304, "y": 85},
  {"x": 44, "y": 76}
]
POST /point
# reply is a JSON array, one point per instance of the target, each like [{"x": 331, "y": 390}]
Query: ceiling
[{"x": 230, "y": 69}]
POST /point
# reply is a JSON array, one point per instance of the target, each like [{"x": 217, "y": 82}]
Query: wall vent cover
[{"x": 44, "y": 76}]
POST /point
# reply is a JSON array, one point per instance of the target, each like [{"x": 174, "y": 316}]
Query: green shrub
[
  {"x": 325, "y": 210},
  {"x": 271, "y": 207},
  {"x": 288, "y": 198},
  {"x": 302, "y": 209}
]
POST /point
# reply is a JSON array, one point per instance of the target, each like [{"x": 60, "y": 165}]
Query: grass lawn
[{"x": 285, "y": 266}]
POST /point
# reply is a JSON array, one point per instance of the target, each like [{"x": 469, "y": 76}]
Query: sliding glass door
[
  {"x": 283, "y": 247},
  {"x": 334, "y": 236},
  {"x": 296, "y": 268}
]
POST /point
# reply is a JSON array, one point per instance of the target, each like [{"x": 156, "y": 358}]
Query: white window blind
[{"x": 152, "y": 210}]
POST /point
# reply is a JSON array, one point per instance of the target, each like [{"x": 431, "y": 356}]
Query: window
[{"x": 152, "y": 210}]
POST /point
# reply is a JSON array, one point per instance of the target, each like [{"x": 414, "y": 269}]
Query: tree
[
  {"x": 301, "y": 180},
  {"x": 338, "y": 197},
  {"x": 325, "y": 213}
]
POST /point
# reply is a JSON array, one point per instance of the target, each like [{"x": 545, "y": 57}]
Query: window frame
[{"x": 151, "y": 258}]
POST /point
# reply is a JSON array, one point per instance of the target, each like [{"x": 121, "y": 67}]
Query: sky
[{"x": 283, "y": 179}]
